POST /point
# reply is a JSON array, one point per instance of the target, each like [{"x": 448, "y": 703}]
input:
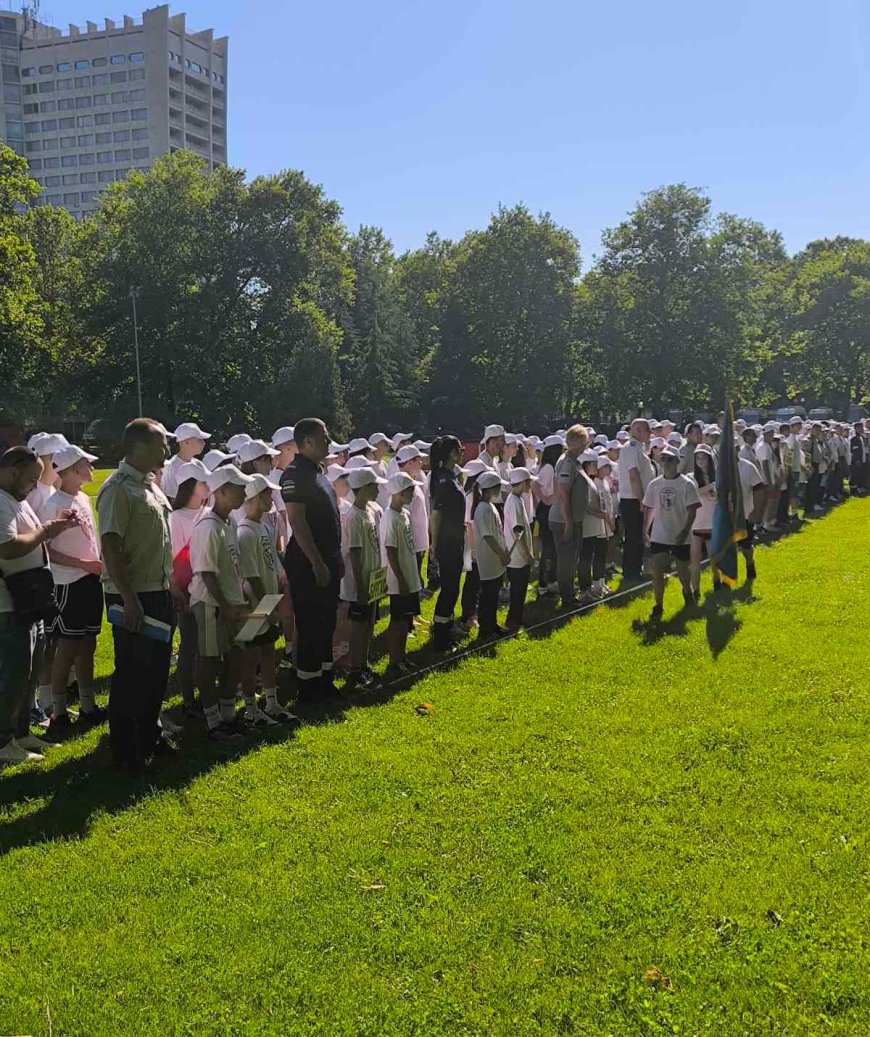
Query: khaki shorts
[{"x": 215, "y": 636}]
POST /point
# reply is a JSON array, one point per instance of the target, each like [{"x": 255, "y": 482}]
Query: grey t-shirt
[{"x": 569, "y": 476}]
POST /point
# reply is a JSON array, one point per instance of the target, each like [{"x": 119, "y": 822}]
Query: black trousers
[
  {"x": 592, "y": 564},
  {"x": 450, "y": 572},
  {"x": 547, "y": 567},
  {"x": 632, "y": 547},
  {"x": 519, "y": 584},
  {"x": 138, "y": 683},
  {"x": 315, "y": 611},
  {"x": 470, "y": 593},
  {"x": 487, "y": 613}
]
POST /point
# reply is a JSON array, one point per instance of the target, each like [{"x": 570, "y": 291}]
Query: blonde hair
[{"x": 575, "y": 433}]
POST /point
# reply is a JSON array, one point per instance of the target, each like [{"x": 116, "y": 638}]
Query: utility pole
[{"x": 134, "y": 296}]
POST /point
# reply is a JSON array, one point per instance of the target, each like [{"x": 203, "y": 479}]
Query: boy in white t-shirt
[
  {"x": 362, "y": 557},
  {"x": 76, "y": 568},
  {"x": 258, "y": 568},
  {"x": 670, "y": 503},
  {"x": 218, "y": 602},
  {"x": 403, "y": 577},
  {"x": 492, "y": 553},
  {"x": 518, "y": 540}
]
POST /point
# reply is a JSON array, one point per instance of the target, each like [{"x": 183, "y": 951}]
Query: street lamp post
[{"x": 134, "y": 297}]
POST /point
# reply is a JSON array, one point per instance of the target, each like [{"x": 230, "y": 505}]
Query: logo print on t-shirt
[{"x": 667, "y": 498}]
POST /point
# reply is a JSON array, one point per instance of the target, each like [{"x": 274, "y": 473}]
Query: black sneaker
[
  {"x": 286, "y": 663},
  {"x": 61, "y": 727},
  {"x": 72, "y": 692},
  {"x": 97, "y": 715},
  {"x": 38, "y": 717},
  {"x": 750, "y": 572},
  {"x": 656, "y": 614},
  {"x": 193, "y": 710},
  {"x": 224, "y": 733}
]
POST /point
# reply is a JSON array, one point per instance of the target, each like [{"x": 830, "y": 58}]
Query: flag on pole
[{"x": 729, "y": 519}]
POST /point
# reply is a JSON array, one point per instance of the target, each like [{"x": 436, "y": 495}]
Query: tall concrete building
[{"x": 86, "y": 106}]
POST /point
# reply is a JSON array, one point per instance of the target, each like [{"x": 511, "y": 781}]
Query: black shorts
[
  {"x": 366, "y": 613},
  {"x": 267, "y": 638},
  {"x": 81, "y": 608},
  {"x": 678, "y": 551},
  {"x": 404, "y": 607},
  {"x": 749, "y": 538}
]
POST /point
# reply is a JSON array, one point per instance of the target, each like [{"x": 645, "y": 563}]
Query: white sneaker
[
  {"x": 278, "y": 713},
  {"x": 36, "y": 745},
  {"x": 257, "y": 718},
  {"x": 12, "y": 752},
  {"x": 170, "y": 727}
]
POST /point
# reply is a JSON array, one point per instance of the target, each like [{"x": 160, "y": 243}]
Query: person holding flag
[{"x": 729, "y": 519}]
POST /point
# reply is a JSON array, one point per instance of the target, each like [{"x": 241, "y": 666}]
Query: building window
[
  {"x": 31, "y": 109},
  {"x": 67, "y": 142},
  {"x": 84, "y": 102},
  {"x": 88, "y": 196},
  {"x": 51, "y": 163},
  {"x": 82, "y": 64},
  {"x": 26, "y": 73},
  {"x": 137, "y": 57},
  {"x": 118, "y": 59},
  {"x": 49, "y": 124},
  {"x": 36, "y": 163},
  {"x": 121, "y": 174},
  {"x": 66, "y": 124},
  {"x": 70, "y": 199},
  {"x": 82, "y": 82},
  {"x": 52, "y": 181},
  {"x": 119, "y": 97},
  {"x": 46, "y": 70},
  {"x": 100, "y": 79},
  {"x": 46, "y": 86},
  {"x": 104, "y": 158},
  {"x": 83, "y": 121},
  {"x": 122, "y": 155},
  {"x": 136, "y": 74},
  {"x": 140, "y": 134},
  {"x": 139, "y": 114},
  {"x": 104, "y": 138},
  {"x": 141, "y": 152},
  {"x": 137, "y": 95},
  {"x": 69, "y": 161},
  {"x": 85, "y": 140},
  {"x": 102, "y": 118},
  {"x": 50, "y": 144},
  {"x": 69, "y": 179},
  {"x": 121, "y": 136},
  {"x": 46, "y": 106},
  {"x": 105, "y": 176},
  {"x": 119, "y": 77},
  {"x": 33, "y": 127},
  {"x": 87, "y": 160},
  {"x": 101, "y": 100},
  {"x": 64, "y": 86},
  {"x": 89, "y": 178},
  {"x": 55, "y": 199},
  {"x": 33, "y": 145},
  {"x": 64, "y": 66},
  {"x": 66, "y": 103},
  {"x": 31, "y": 88},
  {"x": 99, "y": 62},
  {"x": 120, "y": 116}
]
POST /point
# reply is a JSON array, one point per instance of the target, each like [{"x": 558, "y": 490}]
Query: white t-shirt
[
  {"x": 516, "y": 514},
  {"x": 764, "y": 452},
  {"x": 396, "y": 532},
  {"x": 420, "y": 520},
  {"x": 547, "y": 483},
  {"x": 168, "y": 479},
  {"x": 704, "y": 515},
  {"x": 748, "y": 454},
  {"x": 670, "y": 500},
  {"x": 278, "y": 501},
  {"x": 361, "y": 533},
  {"x": 487, "y": 523},
  {"x": 181, "y": 525},
  {"x": 78, "y": 542},
  {"x": 257, "y": 554},
  {"x": 39, "y": 497},
  {"x": 749, "y": 478},
  {"x": 632, "y": 456},
  {"x": 16, "y": 517},
  {"x": 214, "y": 549}
]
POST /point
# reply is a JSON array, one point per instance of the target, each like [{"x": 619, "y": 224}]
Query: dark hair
[
  {"x": 141, "y": 430},
  {"x": 471, "y": 484},
  {"x": 694, "y": 425},
  {"x": 476, "y": 496},
  {"x": 552, "y": 454},
  {"x": 440, "y": 450},
  {"x": 306, "y": 428},
  {"x": 248, "y": 467},
  {"x": 748, "y": 432},
  {"x": 184, "y": 493},
  {"x": 18, "y": 455},
  {"x": 703, "y": 478},
  {"x": 519, "y": 458},
  {"x": 359, "y": 453}
]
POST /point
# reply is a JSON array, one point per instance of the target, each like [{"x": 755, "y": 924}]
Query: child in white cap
[
  {"x": 492, "y": 552},
  {"x": 518, "y": 540},
  {"x": 403, "y": 577}
]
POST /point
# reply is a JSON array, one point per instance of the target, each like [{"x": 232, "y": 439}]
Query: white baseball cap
[
  {"x": 675, "y": 439},
  {"x": 493, "y": 432},
  {"x": 771, "y": 426},
  {"x": 604, "y": 461},
  {"x": 400, "y": 482},
  {"x": 704, "y": 448},
  {"x": 590, "y": 455},
  {"x": 255, "y": 448},
  {"x": 283, "y": 435},
  {"x": 190, "y": 430},
  {"x": 601, "y": 439},
  {"x": 622, "y": 436},
  {"x": 518, "y": 475},
  {"x": 614, "y": 444},
  {"x": 377, "y": 438},
  {"x": 338, "y": 448},
  {"x": 656, "y": 441},
  {"x": 422, "y": 446},
  {"x": 355, "y": 445},
  {"x": 796, "y": 420},
  {"x": 336, "y": 472},
  {"x": 554, "y": 441},
  {"x": 229, "y": 474},
  {"x": 44, "y": 443},
  {"x": 358, "y": 477},
  {"x": 359, "y": 462},
  {"x": 238, "y": 440},
  {"x": 192, "y": 470},
  {"x": 489, "y": 479},
  {"x": 257, "y": 485},
  {"x": 399, "y": 438},
  {"x": 214, "y": 458},
  {"x": 67, "y": 456},
  {"x": 408, "y": 453},
  {"x": 475, "y": 467},
  {"x": 671, "y": 453}
]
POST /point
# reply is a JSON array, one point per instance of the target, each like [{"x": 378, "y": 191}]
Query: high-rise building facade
[{"x": 88, "y": 105}]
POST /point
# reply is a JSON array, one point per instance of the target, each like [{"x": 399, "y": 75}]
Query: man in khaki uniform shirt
[{"x": 137, "y": 566}]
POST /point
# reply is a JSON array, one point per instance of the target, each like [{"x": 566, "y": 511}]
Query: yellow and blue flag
[{"x": 729, "y": 519}]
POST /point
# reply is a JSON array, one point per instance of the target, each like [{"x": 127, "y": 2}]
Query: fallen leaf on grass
[
  {"x": 654, "y": 977},
  {"x": 423, "y": 709},
  {"x": 773, "y": 917},
  {"x": 375, "y": 885}
]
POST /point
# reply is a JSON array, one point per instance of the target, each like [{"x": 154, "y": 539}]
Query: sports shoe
[
  {"x": 278, "y": 713},
  {"x": 170, "y": 727},
  {"x": 259, "y": 719},
  {"x": 38, "y": 717},
  {"x": 61, "y": 726},
  {"x": 656, "y": 614},
  {"x": 750, "y": 572},
  {"x": 36, "y": 745},
  {"x": 223, "y": 733},
  {"x": 286, "y": 662},
  {"x": 12, "y": 752},
  {"x": 193, "y": 710},
  {"x": 97, "y": 715}
]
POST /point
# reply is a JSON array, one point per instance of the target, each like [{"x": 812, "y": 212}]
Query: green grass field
[{"x": 578, "y": 810}]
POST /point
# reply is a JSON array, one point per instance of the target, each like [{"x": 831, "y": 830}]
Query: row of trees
[{"x": 255, "y": 305}]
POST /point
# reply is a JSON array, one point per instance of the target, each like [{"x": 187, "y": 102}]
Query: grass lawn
[{"x": 604, "y": 830}]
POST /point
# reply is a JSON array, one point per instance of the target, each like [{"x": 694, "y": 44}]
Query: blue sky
[{"x": 425, "y": 116}]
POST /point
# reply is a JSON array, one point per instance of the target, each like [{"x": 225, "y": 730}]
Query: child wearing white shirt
[
  {"x": 403, "y": 577},
  {"x": 518, "y": 539},
  {"x": 492, "y": 553}
]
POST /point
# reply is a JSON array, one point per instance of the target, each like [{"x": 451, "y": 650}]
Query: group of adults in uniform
[{"x": 198, "y": 539}]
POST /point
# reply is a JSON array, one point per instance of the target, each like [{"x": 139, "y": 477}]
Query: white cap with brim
[
  {"x": 604, "y": 461},
  {"x": 601, "y": 439},
  {"x": 656, "y": 441},
  {"x": 614, "y": 444},
  {"x": 422, "y": 446},
  {"x": 254, "y": 449},
  {"x": 771, "y": 426},
  {"x": 519, "y": 475},
  {"x": 359, "y": 462},
  {"x": 796, "y": 420},
  {"x": 488, "y": 480},
  {"x": 355, "y": 445},
  {"x": 359, "y": 477},
  {"x": 195, "y": 469},
  {"x": 234, "y": 443},
  {"x": 258, "y": 485},
  {"x": 338, "y": 448},
  {"x": 675, "y": 439},
  {"x": 622, "y": 436},
  {"x": 45, "y": 443},
  {"x": 69, "y": 456},
  {"x": 475, "y": 467},
  {"x": 712, "y": 430},
  {"x": 216, "y": 457},
  {"x": 228, "y": 475},
  {"x": 283, "y": 435},
  {"x": 336, "y": 472},
  {"x": 493, "y": 432},
  {"x": 589, "y": 456},
  {"x": 704, "y": 449},
  {"x": 554, "y": 441},
  {"x": 400, "y": 482},
  {"x": 399, "y": 438},
  {"x": 408, "y": 453},
  {"x": 670, "y": 454},
  {"x": 377, "y": 438},
  {"x": 190, "y": 430}
]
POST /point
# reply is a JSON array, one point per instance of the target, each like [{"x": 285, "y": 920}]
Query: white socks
[
  {"x": 43, "y": 697},
  {"x": 251, "y": 709},
  {"x": 271, "y": 697},
  {"x": 212, "y": 717},
  {"x": 86, "y": 699},
  {"x": 228, "y": 710}
]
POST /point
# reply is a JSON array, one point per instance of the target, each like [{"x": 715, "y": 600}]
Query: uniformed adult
[
  {"x": 133, "y": 516},
  {"x": 635, "y": 473},
  {"x": 568, "y": 510},
  {"x": 448, "y": 533},
  {"x": 313, "y": 556}
]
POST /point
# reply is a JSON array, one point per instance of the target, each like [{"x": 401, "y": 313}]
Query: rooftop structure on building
[{"x": 87, "y": 105}]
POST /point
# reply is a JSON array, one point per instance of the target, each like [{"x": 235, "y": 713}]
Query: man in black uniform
[{"x": 313, "y": 557}]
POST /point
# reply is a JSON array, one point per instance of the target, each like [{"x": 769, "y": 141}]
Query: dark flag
[{"x": 729, "y": 520}]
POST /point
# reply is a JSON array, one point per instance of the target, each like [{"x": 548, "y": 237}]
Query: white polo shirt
[
  {"x": 16, "y": 517},
  {"x": 631, "y": 456}
]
